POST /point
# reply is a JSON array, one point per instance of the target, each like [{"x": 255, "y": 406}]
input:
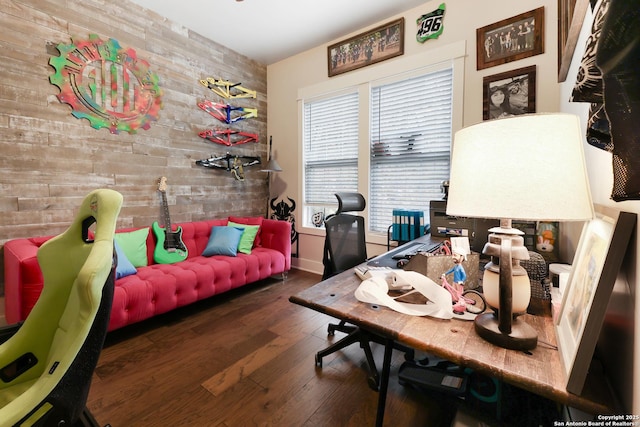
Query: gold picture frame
[
  {"x": 511, "y": 39},
  {"x": 379, "y": 44}
]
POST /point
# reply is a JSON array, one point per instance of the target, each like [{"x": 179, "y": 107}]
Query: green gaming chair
[{"x": 47, "y": 364}]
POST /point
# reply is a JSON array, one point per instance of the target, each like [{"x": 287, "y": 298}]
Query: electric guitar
[{"x": 169, "y": 247}]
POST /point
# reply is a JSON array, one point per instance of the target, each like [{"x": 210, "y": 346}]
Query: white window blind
[
  {"x": 330, "y": 138},
  {"x": 410, "y": 145}
]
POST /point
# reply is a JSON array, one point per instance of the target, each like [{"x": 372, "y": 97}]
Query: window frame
[
  {"x": 399, "y": 68},
  {"x": 347, "y": 92},
  {"x": 428, "y": 73}
]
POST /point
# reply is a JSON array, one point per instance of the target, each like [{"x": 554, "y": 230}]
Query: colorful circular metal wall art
[{"x": 106, "y": 84}]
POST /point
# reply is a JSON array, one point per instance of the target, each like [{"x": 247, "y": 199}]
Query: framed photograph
[
  {"x": 509, "y": 94},
  {"x": 383, "y": 42},
  {"x": 510, "y": 39},
  {"x": 571, "y": 13},
  {"x": 596, "y": 264}
]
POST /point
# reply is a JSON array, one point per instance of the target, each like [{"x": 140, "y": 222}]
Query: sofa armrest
[
  {"x": 20, "y": 267},
  {"x": 276, "y": 234}
]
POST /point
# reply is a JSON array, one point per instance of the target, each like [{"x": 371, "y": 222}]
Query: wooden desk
[{"x": 539, "y": 372}]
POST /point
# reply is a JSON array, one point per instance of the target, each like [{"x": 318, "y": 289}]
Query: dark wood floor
[{"x": 246, "y": 358}]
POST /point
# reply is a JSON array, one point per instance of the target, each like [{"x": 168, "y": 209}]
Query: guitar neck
[{"x": 165, "y": 209}]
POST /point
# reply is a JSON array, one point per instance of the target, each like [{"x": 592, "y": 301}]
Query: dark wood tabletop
[{"x": 538, "y": 371}]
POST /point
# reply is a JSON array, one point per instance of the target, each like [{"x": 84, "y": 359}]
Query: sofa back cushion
[{"x": 195, "y": 235}]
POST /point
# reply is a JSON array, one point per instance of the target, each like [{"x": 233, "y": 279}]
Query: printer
[{"x": 443, "y": 225}]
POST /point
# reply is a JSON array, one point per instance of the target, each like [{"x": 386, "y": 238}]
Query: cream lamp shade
[{"x": 528, "y": 167}]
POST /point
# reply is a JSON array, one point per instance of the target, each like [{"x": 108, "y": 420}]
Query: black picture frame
[
  {"x": 518, "y": 88},
  {"x": 595, "y": 267}
]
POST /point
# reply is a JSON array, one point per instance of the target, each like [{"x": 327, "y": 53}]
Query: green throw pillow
[
  {"x": 248, "y": 236},
  {"x": 134, "y": 246}
]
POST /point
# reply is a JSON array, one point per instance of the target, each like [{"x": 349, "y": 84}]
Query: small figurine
[{"x": 459, "y": 277}]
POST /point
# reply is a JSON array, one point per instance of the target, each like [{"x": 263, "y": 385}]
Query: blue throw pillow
[
  {"x": 124, "y": 267},
  {"x": 223, "y": 241}
]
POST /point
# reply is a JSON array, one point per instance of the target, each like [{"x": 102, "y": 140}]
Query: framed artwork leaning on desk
[{"x": 596, "y": 264}]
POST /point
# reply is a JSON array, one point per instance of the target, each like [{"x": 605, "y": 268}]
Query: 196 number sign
[{"x": 430, "y": 24}]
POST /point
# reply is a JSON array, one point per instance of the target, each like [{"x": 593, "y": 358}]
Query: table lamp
[{"x": 528, "y": 167}]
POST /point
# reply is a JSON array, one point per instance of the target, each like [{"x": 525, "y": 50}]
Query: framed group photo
[
  {"x": 595, "y": 267},
  {"x": 381, "y": 43},
  {"x": 511, "y": 39},
  {"x": 509, "y": 94}
]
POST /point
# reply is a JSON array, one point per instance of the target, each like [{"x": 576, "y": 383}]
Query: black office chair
[
  {"x": 344, "y": 248},
  {"x": 344, "y": 245}
]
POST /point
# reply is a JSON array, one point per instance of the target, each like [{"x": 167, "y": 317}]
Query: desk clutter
[
  {"x": 414, "y": 294},
  {"x": 434, "y": 266},
  {"x": 433, "y": 257}
]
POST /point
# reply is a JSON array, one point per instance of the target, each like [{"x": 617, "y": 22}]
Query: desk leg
[{"x": 384, "y": 381}]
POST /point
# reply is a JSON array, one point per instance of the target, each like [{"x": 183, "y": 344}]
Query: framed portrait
[
  {"x": 596, "y": 264},
  {"x": 378, "y": 44},
  {"x": 511, "y": 39},
  {"x": 509, "y": 94},
  {"x": 571, "y": 13}
]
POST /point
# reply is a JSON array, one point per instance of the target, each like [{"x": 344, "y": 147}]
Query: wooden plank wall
[{"x": 50, "y": 160}]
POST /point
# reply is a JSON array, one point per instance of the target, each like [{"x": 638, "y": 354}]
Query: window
[
  {"x": 387, "y": 137},
  {"x": 410, "y": 145},
  {"x": 330, "y": 139}
]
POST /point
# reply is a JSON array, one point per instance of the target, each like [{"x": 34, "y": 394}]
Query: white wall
[{"x": 462, "y": 18}]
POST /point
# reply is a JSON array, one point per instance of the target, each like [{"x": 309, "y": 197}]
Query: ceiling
[{"x": 268, "y": 31}]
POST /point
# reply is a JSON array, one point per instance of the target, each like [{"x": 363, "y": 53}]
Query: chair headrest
[{"x": 350, "y": 202}]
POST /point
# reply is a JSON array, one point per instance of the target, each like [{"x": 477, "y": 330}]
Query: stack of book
[{"x": 408, "y": 224}]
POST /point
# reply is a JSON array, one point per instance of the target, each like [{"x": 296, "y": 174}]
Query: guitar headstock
[{"x": 162, "y": 184}]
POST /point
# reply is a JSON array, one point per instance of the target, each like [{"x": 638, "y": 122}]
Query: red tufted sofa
[{"x": 159, "y": 288}]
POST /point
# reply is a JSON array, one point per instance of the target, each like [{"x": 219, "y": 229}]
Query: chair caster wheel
[
  {"x": 318, "y": 361},
  {"x": 424, "y": 361},
  {"x": 373, "y": 383}
]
